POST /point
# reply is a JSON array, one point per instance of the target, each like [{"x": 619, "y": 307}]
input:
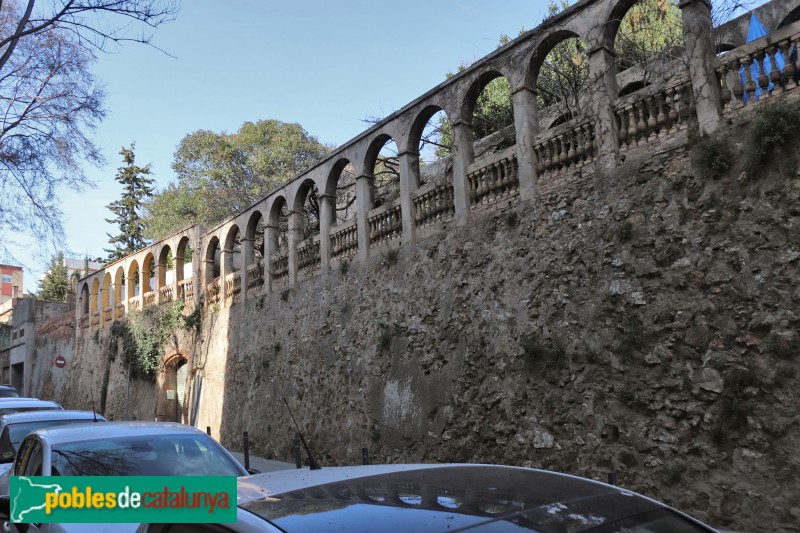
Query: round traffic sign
[{"x": 60, "y": 361}]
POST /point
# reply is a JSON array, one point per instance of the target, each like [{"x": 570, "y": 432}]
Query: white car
[{"x": 18, "y": 405}]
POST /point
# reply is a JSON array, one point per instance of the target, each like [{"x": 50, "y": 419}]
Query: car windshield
[
  {"x": 14, "y": 433},
  {"x": 23, "y": 408},
  {"x": 8, "y": 393},
  {"x": 148, "y": 455}
]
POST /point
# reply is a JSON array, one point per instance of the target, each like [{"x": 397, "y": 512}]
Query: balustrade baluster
[
  {"x": 738, "y": 88},
  {"x": 571, "y": 151},
  {"x": 724, "y": 92},
  {"x": 774, "y": 74},
  {"x": 652, "y": 123},
  {"x": 763, "y": 78},
  {"x": 622, "y": 130},
  {"x": 633, "y": 132},
  {"x": 788, "y": 67},
  {"x": 662, "y": 120},
  {"x": 749, "y": 84},
  {"x": 641, "y": 125}
]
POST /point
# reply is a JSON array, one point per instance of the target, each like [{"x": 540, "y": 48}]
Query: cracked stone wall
[{"x": 643, "y": 320}]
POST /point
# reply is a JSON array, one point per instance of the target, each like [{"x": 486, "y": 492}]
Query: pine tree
[
  {"x": 137, "y": 188},
  {"x": 55, "y": 284}
]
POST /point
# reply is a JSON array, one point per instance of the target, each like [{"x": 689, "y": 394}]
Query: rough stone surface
[{"x": 667, "y": 352}]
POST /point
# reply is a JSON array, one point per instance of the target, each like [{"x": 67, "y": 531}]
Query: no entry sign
[{"x": 60, "y": 362}]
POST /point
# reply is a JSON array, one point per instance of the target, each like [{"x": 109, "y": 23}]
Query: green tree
[
  {"x": 55, "y": 285},
  {"x": 137, "y": 188},
  {"x": 220, "y": 174}
]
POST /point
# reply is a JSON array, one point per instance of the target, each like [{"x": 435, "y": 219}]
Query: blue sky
[{"x": 323, "y": 64}]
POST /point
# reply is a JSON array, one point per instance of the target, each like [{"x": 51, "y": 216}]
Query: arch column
[
  {"x": 696, "y": 16},
  {"x": 293, "y": 237},
  {"x": 364, "y": 203},
  {"x": 526, "y": 123},
  {"x": 144, "y": 281},
  {"x": 161, "y": 276},
  {"x": 603, "y": 80},
  {"x": 327, "y": 217},
  {"x": 409, "y": 182},
  {"x": 270, "y": 245},
  {"x": 463, "y": 154},
  {"x": 247, "y": 258},
  {"x": 130, "y": 288}
]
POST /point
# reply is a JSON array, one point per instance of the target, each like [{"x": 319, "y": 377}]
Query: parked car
[
  {"x": 18, "y": 405},
  {"x": 124, "y": 449},
  {"x": 7, "y": 391},
  {"x": 439, "y": 498},
  {"x": 15, "y": 426}
]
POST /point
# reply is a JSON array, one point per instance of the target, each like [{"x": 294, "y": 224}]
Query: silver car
[
  {"x": 18, "y": 405},
  {"x": 15, "y": 426},
  {"x": 440, "y": 498}
]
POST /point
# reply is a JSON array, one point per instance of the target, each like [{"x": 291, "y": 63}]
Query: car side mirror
[
  {"x": 253, "y": 471},
  {"x": 7, "y": 457}
]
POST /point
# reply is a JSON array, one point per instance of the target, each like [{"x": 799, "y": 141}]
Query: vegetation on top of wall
[
  {"x": 143, "y": 334},
  {"x": 768, "y": 130}
]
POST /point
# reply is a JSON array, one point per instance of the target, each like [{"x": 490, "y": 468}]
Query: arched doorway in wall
[{"x": 172, "y": 403}]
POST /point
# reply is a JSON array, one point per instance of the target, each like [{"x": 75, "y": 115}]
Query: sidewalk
[{"x": 261, "y": 464}]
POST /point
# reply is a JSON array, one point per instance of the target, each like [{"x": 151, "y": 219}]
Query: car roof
[
  {"x": 110, "y": 430},
  {"x": 34, "y": 416},
  {"x": 470, "y": 495},
  {"x": 12, "y": 402}
]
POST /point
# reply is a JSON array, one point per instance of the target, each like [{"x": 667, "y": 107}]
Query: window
[{"x": 6, "y": 278}]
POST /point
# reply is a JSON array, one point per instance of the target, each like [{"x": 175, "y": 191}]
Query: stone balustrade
[
  {"x": 308, "y": 256},
  {"x": 165, "y": 294},
  {"x": 564, "y": 147},
  {"x": 280, "y": 267},
  {"x": 649, "y": 114},
  {"x": 385, "y": 223},
  {"x": 494, "y": 179},
  {"x": 186, "y": 289},
  {"x": 119, "y": 311},
  {"x": 255, "y": 277},
  {"x": 95, "y": 319},
  {"x": 344, "y": 241},
  {"x": 762, "y": 52},
  {"x": 108, "y": 314},
  {"x": 608, "y": 129},
  {"x": 213, "y": 291},
  {"x": 84, "y": 322},
  {"x": 433, "y": 203}
]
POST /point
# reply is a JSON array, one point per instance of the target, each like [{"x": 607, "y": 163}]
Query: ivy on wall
[{"x": 143, "y": 334}]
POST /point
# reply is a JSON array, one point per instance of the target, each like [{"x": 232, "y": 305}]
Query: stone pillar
[
  {"x": 463, "y": 154},
  {"x": 247, "y": 258},
  {"x": 327, "y": 218},
  {"x": 160, "y": 276},
  {"x": 409, "y": 183},
  {"x": 294, "y": 235},
  {"x": 701, "y": 57},
  {"x": 130, "y": 288},
  {"x": 605, "y": 91},
  {"x": 144, "y": 281},
  {"x": 270, "y": 245},
  {"x": 364, "y": 203},
  {"x": 526, "y": 124}
]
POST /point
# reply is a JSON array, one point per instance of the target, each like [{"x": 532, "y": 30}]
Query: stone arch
[
  {"x": 212, "y": 267},
  {"x": 306, "y": 201},
  {"x": 559, "y": 70},
  {"x": 232, "y": 250},
  {"x": 85, "y": 300},
  {"x": 416, "y": 140},
  {"x": 277, "y": 240},
  {"x": 172, "y": 402},
  {"x": 501, "y": 130},
  {"x": 382, "y": 165},
  {"x": 341, "y": 185},
  {"x": 133, "y": 276},
  {"x": 148, "y": 274},
  {"x": 119, "y": 290},
  {"x": 93, "y": 308},
  {"x": 792, "y": 16},
  {"x": 253, "y": 250},
  {"x": 254, "y": 233},
  {"x": 166, "y": 263},
  {"x": 183, "y": 252},
  {"x": 107, "y": 296}
]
